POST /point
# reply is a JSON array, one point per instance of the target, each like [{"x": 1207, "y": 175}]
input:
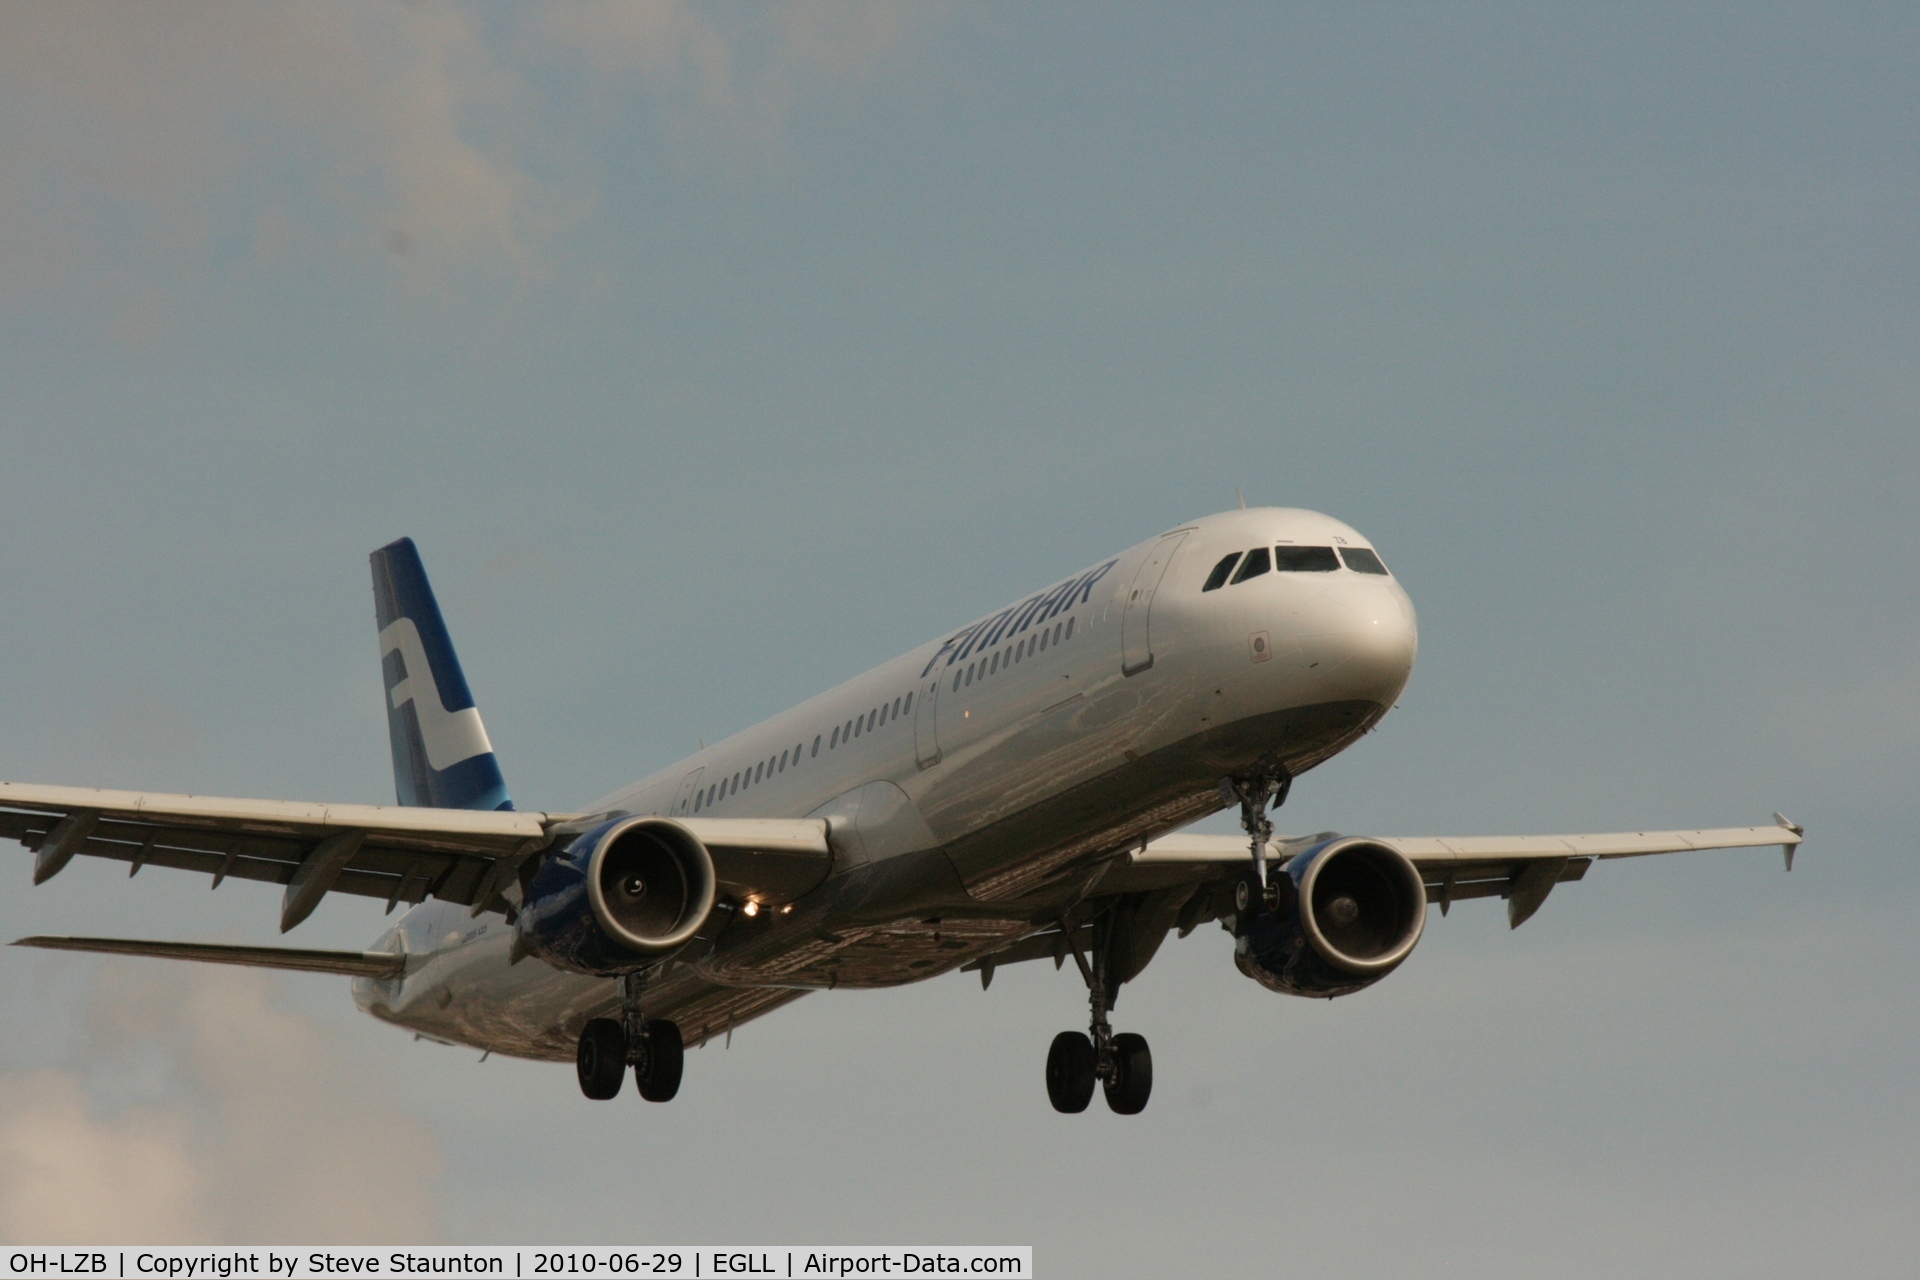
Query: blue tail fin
[{"x": 441, "y": 756}]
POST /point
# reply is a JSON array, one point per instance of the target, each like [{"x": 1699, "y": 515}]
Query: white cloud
[
  {"x": 411, "y": 135},
  {"x": 260, "y": 1132},
  {"x": 69, "y": 1176}
]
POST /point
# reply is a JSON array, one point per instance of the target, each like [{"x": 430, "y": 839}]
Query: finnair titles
[{"x": 1012, "y": 791}]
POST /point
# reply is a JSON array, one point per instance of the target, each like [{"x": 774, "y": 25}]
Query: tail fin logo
[{"x": 449, "y": 736}]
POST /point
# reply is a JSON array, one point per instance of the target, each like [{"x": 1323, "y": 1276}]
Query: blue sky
[{"x": 712, "y": 354}]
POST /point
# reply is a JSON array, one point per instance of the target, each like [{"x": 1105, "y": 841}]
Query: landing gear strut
[
  {"x": 1122, "y": 1063},
  {"x": 1253, "y": 794},
  {"x": 652, "y": 1046}
]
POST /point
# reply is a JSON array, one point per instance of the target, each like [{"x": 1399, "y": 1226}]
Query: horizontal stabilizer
[{"x": 359, "y": 964}]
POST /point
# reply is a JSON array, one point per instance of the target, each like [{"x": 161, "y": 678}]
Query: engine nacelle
[
  {"x": 617, "y": 897},
  {"x": 1355, "y": 912}
]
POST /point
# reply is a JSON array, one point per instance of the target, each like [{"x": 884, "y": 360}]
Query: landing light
[{"x": 752, "y": 908}]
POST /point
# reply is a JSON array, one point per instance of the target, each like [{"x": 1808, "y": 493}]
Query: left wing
[
  {"x": 1521, "y": 869},
  {"x": 1182, "y": 881},
  {"x": 401, "y": 853}
]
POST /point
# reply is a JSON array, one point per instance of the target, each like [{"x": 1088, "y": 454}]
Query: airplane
[{"x": 1013, "y": 790}]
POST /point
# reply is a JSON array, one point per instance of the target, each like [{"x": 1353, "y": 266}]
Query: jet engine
[
  {"x": 1347, "y": 912},
  {"x": 617, "y": 897}
]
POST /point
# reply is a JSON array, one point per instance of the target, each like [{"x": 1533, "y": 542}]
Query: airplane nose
[{"x": 1358, "y": 639}]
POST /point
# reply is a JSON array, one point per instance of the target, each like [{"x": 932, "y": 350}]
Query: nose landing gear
[
  {"x": 1253, "y": 794},
  {"x": 1122, "y": 1063},
  {"x": 651, "y": 1045}
]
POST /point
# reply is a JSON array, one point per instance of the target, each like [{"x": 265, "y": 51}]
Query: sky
[{"x": 715, "y": 353}]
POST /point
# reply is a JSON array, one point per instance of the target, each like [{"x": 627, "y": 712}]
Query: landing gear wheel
[
  {"x": 601, "y": 1058},
  {"x": 1132, "y": 1074},
  {"x": 661, "y": 1059},
  {"x": 1070, "y": 1064}
]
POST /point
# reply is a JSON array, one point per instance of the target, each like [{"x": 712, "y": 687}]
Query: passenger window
[
  {"x": 1304, "y": 560},
  {"x": 1361, "y": 560},
  {"x": 995, "y": 666},
  {"x": 1056, "y": 633},
  {"x": 1257, "y": 563},
  {"x": 956, "y": 681},
  {"x": 1218, "y": 577},
  {"x": 1069, "y": 628},
  {"x": 1043, "y": 639},
  {"x": 783, "y": 762},
  {"x": 896, "y": 710},
  {"x": 736, "y": 782},
  {"x": 816, "y": 747},
  {"x": 836, "y": 739},
  {"x": 907, "y": 709},
  {"x": 696, "y": 804}
]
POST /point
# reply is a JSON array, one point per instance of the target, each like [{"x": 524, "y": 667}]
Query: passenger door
[
  {"x": 926, "y": 725},
  {"x": 1136, "y": 619}
]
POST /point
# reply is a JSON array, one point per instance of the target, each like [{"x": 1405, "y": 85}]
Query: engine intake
[
  {"x": 618, "y": 896},
  {"x": 1357, "y": 910},
  {"x": 651, "y": 884}
]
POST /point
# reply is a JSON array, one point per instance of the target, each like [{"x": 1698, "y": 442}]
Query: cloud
[
  {"x": 429, "y": 138},
  {"x": 259, "y": 1133},
  {"x": 731, "y": 78},
  {"x": 68, "y": 1176}
]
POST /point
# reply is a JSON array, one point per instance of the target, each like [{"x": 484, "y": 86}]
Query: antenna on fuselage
[{"x": 1241, "y": 496}]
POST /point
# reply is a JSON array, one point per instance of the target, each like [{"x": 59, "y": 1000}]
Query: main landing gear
[
  {"x": 652, "y": 1046},
  {"x": 1122, "y": 1063}
]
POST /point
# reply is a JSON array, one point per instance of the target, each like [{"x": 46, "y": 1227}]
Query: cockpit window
[
  {"x": 1361, "y": 560},
  {"x": 1304, "y": 559},
  {"x": 1256, "y": 564},
  {"x": 1220, "y": 571}
]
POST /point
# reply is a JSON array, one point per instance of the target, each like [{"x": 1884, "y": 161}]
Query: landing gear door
[
  {"x": 926, "y": 732},
  {"x": 1136, "y": 619}
]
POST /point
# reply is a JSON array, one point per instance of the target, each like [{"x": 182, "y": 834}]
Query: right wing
[{"x": 397, "y": 852}]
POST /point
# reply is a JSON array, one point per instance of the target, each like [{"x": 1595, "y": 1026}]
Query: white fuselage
[{"x": 970, "y": 781}]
